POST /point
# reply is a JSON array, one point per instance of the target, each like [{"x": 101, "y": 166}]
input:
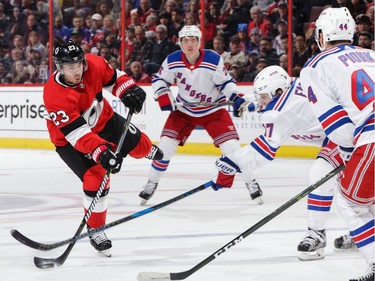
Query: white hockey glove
[
  {"x": 166, "y": 100},
  {"x": 224, "y": 175}
]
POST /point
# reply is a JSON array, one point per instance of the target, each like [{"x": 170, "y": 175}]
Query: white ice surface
[{"x": 40, "y": 197}]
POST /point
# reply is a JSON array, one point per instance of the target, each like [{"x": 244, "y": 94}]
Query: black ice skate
[
  {"x": 155, "y": 153},
  {"x": 255, "y": 191},
  {"x": 147, "y": 192},
  {"x": 344, "y": 243},
  {"x": 101, "y": 243},
  {"x": 369, "y": 276},
  {"x": 312, "y": 246}
]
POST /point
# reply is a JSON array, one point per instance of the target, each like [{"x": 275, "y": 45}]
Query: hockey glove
[
  {"x": 224, "y": 176},
  {"x": 129, "y": 92},
  {"x": 166, "y": 100},
  {"x": 345, "y": 153},
  {"x": 105, "y": 157}
]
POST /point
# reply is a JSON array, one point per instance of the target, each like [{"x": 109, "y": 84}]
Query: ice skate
[
  {"x": 255, "y": 192},
  {"x": 312, "y": 246},
  {"x": 147, "y": 192},
  {"x": 369, "y": 276},
  {"x": 344, "y": 242},
  {"x": 155, "y": 153},
  {"x": 101, "y": 243}
]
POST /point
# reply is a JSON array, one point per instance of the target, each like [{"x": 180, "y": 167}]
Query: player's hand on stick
[
  {"x": 345, "y": 153},
  {"x": 130, "y": 93},
  {"x": 105, "y": 157},
  {"x": 224, "y": 175},
  {"x": 166, "y": 100}
]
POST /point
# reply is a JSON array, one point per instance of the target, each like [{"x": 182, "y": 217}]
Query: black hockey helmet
[{"x": 69, "y": 52}]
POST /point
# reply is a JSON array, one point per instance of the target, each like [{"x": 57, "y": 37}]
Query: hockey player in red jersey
[{"x": 85, "y": 129}]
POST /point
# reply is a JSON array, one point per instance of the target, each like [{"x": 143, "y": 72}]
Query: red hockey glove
[
  {"x": 129, "y": 92},
  {"x": 105, "y": 157},
  {"x": 224, "y": 176},
  {"x": 166, "y": 100}
]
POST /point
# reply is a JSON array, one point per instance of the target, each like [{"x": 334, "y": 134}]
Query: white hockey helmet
[
  {"x": 270, "y": 80},
  {"x": 335, "y": 24},
  {"x": 190, "y": 30}
]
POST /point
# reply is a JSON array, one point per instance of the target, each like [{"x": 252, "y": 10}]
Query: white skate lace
[
  {"x": 149, "y": 187},
  {"x": 99, "y": 237},
  {"x": 346, "y": 241},
  {"x": 313, "y": 238}
]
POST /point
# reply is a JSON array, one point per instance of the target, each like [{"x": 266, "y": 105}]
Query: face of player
[
  {"x": 264, "y": 99},
  {"x": 72, "y": 72},
  {"x": 190, "y": 45}
]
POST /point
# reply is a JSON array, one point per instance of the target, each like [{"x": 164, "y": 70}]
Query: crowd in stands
[{"x": 248, "y": 34}]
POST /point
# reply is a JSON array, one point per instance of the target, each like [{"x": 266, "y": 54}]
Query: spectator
[
  {"x": 312, "y": 48},
  {"x": 238, "y": 71},
  {"x": 219, "y": 46},
  {"x": 165, "y": 19},
  {"x": 142, "y": 49},
  {"x": 108, "y": 25},
  {"x": 150, "y": 26},
  {"x": 86, "y": 48},
  {"x": 19, "y": 74},
  {"x": 282, "y": 29},
  {"x": 357, "y": 7},
  {"x": 243, "y": 7},
  {"x": 4, "y": 19},
  {"x": 283, "y": 62},
  {"x": 230, "y": 18},
  {"x": 190, "y": 19},
  {"x": 97, "y": 24},
  {"x": 364, "y": 24},
  {"x": 267, "y": 52},
  {"x": 215, "y": 13},
  {"x": 144, "y": 10},
  {"x": 235, "y": 54},
  {"x": 177, "y": 24},
  {"x": 137, "y": 73},
  {"x": 169, "y": 6},
  {"x": 210, "y": 31},
  {"x": 114, "y": 45},
  {"x": 300, "y": 54},
  {"x": 364, "y": 40},
  {"x": 34, "y": 42},
  {"x": 5, "y": 76},
  {"x": 33, "y": 26},
  {"x": 103, "y": 8},
  {"x": 260, "y": 65},
  {"x": 192, "y": 8},
  {"x": 129, "y": 44},
  {"x": 263, "y": 4},
  {"x": 135, "y": 20},
  {"x": 253, "y": 58},
  {"x": 162, "y": 46},
  {"x": 77, "y": 36},
  {"x": 78, "y": 27},
  {"x": 105, "y": 52},
  {"x": 259, "y": 21},
  {"x": 18, "y": 43},
  {"x": 60, "y": 30},
  {"x": 244, "y": 38},
  {"x": 255, "y": 36}
]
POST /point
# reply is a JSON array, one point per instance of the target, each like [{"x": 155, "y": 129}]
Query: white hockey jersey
[
  {"x": 287, "y": 116},
  {"x": 205, "y": 81},
  {"x": 339, "y": 83}
]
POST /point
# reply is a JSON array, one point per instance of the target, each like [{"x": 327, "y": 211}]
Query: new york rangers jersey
[
  {"x": 205, "y": 81},
  {"x": 76, "y": 114},
  {"x": 289, "y": 115},
  {"x": 339, "y": 83}
]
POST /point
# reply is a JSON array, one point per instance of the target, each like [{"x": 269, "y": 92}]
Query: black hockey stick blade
[
  {"x": 46, "y": 247},
  {"x": 162, "y": 276}
]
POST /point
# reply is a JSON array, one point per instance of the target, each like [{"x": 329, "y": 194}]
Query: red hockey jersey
[{"x": 77, "y": 114}]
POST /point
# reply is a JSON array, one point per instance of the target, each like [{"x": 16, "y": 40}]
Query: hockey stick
[
  {"x": 147, "y": 276},
  {"x": 44, "y": 263},
  {"x": 46, "y": 247}
]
